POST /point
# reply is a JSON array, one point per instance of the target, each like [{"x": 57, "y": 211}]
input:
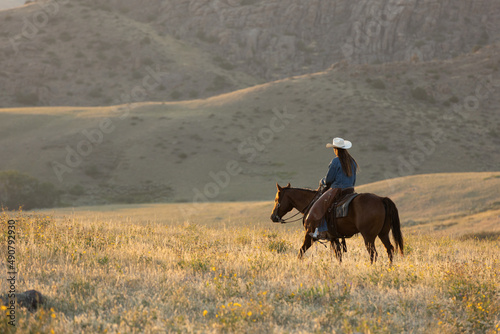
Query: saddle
[
  {"x": 332, "y": 204},
  {"x": 339, "y": 209},
  {"x": 342, "y": 206},
  {"x": 325, "y": 201}
]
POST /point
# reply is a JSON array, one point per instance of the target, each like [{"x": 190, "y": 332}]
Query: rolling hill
[
  {"x": 404, "y": 119},
  {"x": 452, "y": 204},
  {"x": 93, "y": 53},
  {"x": 81, "y": 54},
  {"x": 112, "y": 143}
]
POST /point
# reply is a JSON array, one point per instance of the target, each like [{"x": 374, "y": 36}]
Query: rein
[
  {"x": 286, "y": 221},
  {"x": 283, "y": 221}
]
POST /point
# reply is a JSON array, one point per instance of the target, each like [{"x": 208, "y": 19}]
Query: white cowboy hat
[{"x": 340, "y": 143}]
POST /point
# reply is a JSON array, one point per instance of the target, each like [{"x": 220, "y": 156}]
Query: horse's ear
[
  {"x": 288, "y": 185},
  {"x": 278, "y": 187}
]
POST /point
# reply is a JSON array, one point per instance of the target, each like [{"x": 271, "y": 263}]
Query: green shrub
[
  {"x": 30, "y": 99},
  {"x": 92, "y": 171},
  {"x": 223, "y": 63},
  {"x": 278, "y": 246},
  {"x": 76, "y": 190},
  {"x": 420, "y": 93},
  {"x": 22, "y": 190},
  {"x": 95, "y": 93},
  {"x": 65, "y": 36},
  {"x": 175, "y": 95},
  {"x": 220, "y": 82},
  {"x": 378, "y": 84}
]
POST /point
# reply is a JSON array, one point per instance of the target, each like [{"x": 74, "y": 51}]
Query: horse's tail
[{"x": 392, "y": 218}]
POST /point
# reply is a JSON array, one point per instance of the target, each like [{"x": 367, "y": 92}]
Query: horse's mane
[{"x": 304, "y": 189}]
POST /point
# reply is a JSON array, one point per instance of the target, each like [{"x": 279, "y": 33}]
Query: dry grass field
[{"x": 152, "y": 269}]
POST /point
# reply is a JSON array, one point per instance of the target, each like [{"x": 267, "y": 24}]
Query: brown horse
[{"x": 369, "y": 215}]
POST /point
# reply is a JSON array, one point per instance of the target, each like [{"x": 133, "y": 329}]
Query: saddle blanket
[{"x": 341, "y": 211}]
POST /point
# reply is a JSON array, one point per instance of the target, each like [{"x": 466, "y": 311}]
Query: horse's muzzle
[{"x": 275, "y": 219}]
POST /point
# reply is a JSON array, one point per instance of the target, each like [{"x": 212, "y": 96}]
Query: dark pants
[{"x": 321, "y": 206}]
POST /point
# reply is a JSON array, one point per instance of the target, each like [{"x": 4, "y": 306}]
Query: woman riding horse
[
  {"x": 340, "y": 178},
  {"x": 369, "y": 214}
]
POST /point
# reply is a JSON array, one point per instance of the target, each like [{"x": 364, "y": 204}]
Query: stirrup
[{"x": 315, "y": 234}]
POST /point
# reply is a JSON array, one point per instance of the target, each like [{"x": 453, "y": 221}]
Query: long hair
[{"x": 346, "y": 161}]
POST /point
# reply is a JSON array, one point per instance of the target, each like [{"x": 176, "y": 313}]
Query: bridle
[{"x": 286, "y": 221}]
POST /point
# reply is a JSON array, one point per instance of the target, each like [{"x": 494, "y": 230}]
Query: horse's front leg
[
  {"x": 308, "y": 241},
  {"x": 337, "y": 248}
]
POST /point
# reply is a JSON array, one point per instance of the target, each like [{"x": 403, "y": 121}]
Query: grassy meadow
[{"x": 152, "y": 269}]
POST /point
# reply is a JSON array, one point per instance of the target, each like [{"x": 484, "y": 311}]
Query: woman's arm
[{"x": 331, "y": 175}]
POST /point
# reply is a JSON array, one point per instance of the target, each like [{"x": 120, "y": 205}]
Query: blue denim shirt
[{"x": 336, "y": 176}]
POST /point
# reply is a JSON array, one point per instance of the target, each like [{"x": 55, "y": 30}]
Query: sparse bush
[
  {"x": 223, "y": 63},
  {"x": 219, "y": 82},
  {"x": 476, "y": 48},
  {"x": 147, "y": 61},
  {"x": 95, "y": 93},
  {"x": 22, "y": 190},
  {"x": 29, "y": 99},
  {"x": 206, "y": 38},
  {"x": 193, "y": 94},
  {"x": 175, "y": 95},
  {"x": 76, "y": 190},
  {"x": 419, "y": 43},
  {"x": 101, "y": 56},
  {"x": 92, "y": 171},
  {"x": 136, "y": 75},
  {"x": 301, "y": 46},
  {"x": 65, "y": 36},
  {"x": 49, "y": 40},
  {"x": 420, "y": 93},
  {"x": 378, "y": 84},
  {"x": 481, "y": 236},
  {"x": 484, "y": 38},
  {"x": 278, "y": 246}
]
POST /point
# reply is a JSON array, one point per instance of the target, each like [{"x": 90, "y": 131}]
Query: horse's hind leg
[
  {"x": 370, "y": 247},
  {"x": 305, "y": 246},
  {"x": 387, "y": 243}
]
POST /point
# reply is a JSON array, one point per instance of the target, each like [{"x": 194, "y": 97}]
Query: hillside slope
[
  {"x": 78, "y": 54},
  {"x": 279, "y": 38},
  {"x": 90, "y": 52},
  {"x": 269, "y": 133},
  {"x": 454, "y": 204}
]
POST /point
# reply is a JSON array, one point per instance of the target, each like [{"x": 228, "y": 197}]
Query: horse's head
[{"x": 282, "y": 204}]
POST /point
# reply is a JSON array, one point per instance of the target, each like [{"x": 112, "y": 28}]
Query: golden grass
[{"x": 147, "y": 269}]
